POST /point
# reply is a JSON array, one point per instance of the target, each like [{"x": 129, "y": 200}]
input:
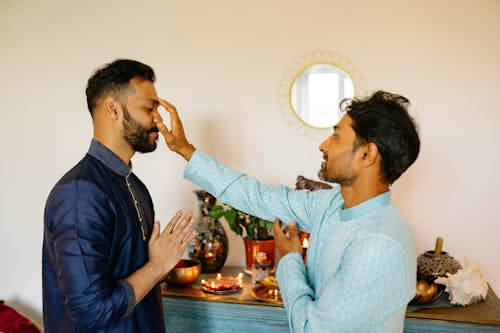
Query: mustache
[{"x": 154, "y": 130}]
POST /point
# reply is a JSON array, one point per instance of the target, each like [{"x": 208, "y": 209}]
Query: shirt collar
[
  {"x": 108, "y": 158},
  {"x": 366, "y": 207}
]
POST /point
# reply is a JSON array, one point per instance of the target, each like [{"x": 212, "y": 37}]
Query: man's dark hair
[
  {"x": 114, "y": 78},
  {"x": 383, "y": 119}
]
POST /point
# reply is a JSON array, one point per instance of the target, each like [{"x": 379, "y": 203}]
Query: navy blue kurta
[{"x": 93, "y": 240}]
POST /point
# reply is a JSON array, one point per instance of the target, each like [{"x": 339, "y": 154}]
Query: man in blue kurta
[
  {"x": 361, "y": 262},
  {"x": 103, "y": 257}
]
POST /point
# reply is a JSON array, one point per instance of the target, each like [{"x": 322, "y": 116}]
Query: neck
[
  {"x": 117, "y": 145},
  {"x": 362, "y": 191}
]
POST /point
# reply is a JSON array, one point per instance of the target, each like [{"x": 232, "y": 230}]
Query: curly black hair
[{"x": 383, "y": 119}]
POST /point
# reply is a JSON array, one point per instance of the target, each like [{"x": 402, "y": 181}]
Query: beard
[
  {"x": 343, "y": 173},
  {"x": 136, "y": 135}
]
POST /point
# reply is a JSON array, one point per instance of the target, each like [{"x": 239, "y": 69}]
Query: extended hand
[
  {"x": 166, "y": 248},
  {"x": 175, "y": 137},
  {"x": 286, "y": 244}
]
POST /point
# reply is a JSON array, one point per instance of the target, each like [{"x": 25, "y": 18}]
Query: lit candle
[
  {"x": 305, "y": 245},
  {"x": 219, "y": 276},
  {"x": 240, "y": 279}
]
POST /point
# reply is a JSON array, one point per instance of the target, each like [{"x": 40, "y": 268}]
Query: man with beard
[
  {"x": 361, "y": 261},
  {"x": 103, "y": 254}
]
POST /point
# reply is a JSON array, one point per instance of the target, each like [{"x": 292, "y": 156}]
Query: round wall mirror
[
  {"x": 312, "y": 89},
  {"x": 316, "y": 94}
]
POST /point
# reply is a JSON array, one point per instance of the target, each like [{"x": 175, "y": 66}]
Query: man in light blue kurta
[{"x": 361, "y": 262}]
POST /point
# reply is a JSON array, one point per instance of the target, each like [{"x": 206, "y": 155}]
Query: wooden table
[{"x": 190, "y": 309}]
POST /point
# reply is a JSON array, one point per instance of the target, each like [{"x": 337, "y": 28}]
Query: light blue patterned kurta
[{"x": 361, "y": 261}]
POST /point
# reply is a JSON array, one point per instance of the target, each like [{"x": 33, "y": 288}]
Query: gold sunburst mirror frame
[{"x": 320, "y": 62}]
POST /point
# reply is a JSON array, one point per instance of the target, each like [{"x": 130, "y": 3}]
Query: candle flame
[
  {"x": 219, "y": 276},
  {"x": 212, "y": 285},
  {"x": 305, "y": 243}
]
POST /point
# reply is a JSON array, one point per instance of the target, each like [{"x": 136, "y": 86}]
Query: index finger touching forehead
[{"x": 167, "y": 104}]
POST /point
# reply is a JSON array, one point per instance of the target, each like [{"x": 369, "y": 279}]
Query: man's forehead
[
  {"x": 144, "y": 90},
  {"x": 344, "y": 123}
]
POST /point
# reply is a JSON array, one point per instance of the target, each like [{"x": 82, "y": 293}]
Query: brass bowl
[
  {"x": 270, "y": 282},
  {"x": 184, "y": 275},
  {"x": 427, "y": 293}
]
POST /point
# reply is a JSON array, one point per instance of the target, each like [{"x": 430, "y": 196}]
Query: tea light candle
[
  {"x": 221, "y": 284},
  {"x": 305, "y": 245}
]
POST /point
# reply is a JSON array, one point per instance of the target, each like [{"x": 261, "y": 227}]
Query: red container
[{"x": 252, "y": 247}]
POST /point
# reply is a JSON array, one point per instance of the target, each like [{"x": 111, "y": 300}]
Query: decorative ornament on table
[
  {"x": 430, "y": 266},
  {"x": 268, "y": 290},
  {"x": 261, "y": 267},
  {"x": 433, "y": 264},
  {"x": 210, "y": 246},
  {"x": 466, "y": 286}
]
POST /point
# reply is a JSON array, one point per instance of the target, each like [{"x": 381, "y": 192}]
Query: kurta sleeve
[
  {"x": 81, "y": 225},
  {"x": 371, "y": 277},
  {"x": 268, "y": 202}
]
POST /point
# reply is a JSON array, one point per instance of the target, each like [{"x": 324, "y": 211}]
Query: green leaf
[
  {"x": 235, "y": 227},
  {"x": 216, "y": 212},
  {"x": 251, "y": 231},
  {"x": 230, "y": 215},
  {"x": 256, "y": 228},
  {"x": 269, "y": 226},
  {"x": 239, "y": 230}
]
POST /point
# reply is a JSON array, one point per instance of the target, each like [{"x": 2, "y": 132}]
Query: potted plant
[{"x": 256, "y": 232}]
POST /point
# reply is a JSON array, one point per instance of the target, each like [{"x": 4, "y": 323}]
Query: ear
[
  {"x": 369, "y": 154},
  {"x": 111, "y": 107}
]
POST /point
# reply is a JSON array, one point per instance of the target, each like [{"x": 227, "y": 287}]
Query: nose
[
  {"x": 156, "y": 116},
  {"x": 323, "y": 147}
]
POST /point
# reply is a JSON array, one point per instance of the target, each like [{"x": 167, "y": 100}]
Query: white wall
[{"x": 221, "y": 63}]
